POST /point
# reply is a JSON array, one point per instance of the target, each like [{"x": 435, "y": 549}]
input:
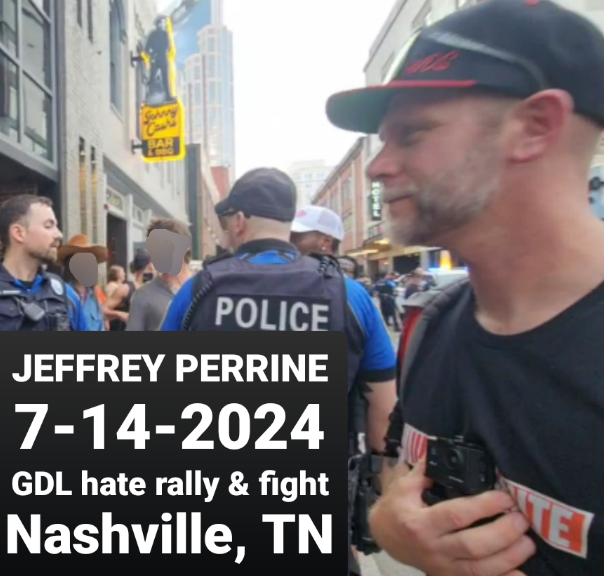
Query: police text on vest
[{"x": 272, "y": 314}]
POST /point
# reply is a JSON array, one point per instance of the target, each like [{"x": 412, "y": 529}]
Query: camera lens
[{"x": 454, "y": 459}]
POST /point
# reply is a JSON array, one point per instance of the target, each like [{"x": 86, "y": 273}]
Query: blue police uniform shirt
[
  {"x": 378, "y": 363},
  {"x": 77, "y": 319}
]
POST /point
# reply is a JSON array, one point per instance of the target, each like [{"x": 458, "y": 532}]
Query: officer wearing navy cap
[
  {"x": 31, "y": 298},
  {"x": 245, "y": 291},
  {"x": 268, "y": 285},
  {"x": 489, "y": 127}
]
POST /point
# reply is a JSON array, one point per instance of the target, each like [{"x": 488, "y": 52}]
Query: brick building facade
[{"x": 343, "y": 192}]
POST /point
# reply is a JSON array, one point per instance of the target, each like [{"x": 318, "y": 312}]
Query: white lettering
[
  {"x": 234, "y": 370},
  {"x": 43, "y": 484},
  {"x": 314, "y": 367},
  {"x": 218, "y": 533},
  {"x": 153, "y": 367},
  {"x": 224, "y": 307},
  {"x": 109, "y": 370},
  {"x": 26, "y": 370},
  {"x": 15, "y": 528},
  {"x": 80, "y": 534},
  {"x": 278, "y": 521},
  {"x": 256, "y": 370},
  {"x": 127, "y": 368},
  {"x": 306, "y": 528},
  {"x": 81, "y": 366},
  {"x": 270, "y": 314},
  {"x": 181, "y": 368},
  {"x": 41, "y": 367},
  {"x": 558, "y": 527},
  {"x": 206, "y": 367},
  {"x": 253, "y": 313},
  {"x": 58, "y": 536},
  {"x": 283, "y": 317},
  {"x": 320, "y": 316},
  {"x": 292, "y": 317},
  {"x": 60, "y": 544},
  {"x": 61, "y": 368},
  {"x": 540, "y": 505},
  {"x": 264, "y": 325}
]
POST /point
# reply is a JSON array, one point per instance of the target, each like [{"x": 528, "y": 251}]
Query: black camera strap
[{"x": 434, "y": 303}]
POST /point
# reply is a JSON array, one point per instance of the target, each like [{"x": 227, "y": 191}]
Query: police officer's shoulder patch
[{"x": 57, "y": 286}]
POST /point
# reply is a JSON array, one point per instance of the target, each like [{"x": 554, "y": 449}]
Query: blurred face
[
  {"x": 121, "y": 276},
  {"x": 311, "y": 242},
  {"x": 441, "y": 165},
  {"x": 38, "y": 234}
]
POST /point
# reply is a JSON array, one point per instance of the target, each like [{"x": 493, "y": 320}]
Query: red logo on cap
[
  {"x": 435, "y": 63},
  {"x": 301, "y": 213}
]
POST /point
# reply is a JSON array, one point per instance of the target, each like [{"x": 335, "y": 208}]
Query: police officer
[
  {"x": 32, "y": 299},
  {"x": 245, "y": 291},
  {"x": 385, "y": 288}
]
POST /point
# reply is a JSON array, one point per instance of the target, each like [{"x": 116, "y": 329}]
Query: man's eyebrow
[{"x": 409, "y": 126}]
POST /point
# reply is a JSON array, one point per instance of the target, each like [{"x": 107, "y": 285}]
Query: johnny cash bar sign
[{"x": 162, "y": 114}]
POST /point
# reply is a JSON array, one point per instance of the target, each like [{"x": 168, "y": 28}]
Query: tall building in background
[
  {"x": 309, "y": 176},
  {"x": 204, "y": 59}
]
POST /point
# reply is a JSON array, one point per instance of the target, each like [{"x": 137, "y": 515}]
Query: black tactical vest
[
  {"x": 306, "y": 294},
  {"x": 17, "y": 313}
]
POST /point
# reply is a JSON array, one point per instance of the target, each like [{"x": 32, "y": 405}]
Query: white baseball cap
[{"x": 318, "y": 219}]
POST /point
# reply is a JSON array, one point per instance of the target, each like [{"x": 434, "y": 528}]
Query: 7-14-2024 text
[{"x": 134, "y": 427}]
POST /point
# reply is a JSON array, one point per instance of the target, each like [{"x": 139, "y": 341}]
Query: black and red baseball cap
[{"x": 513, "y": 47}]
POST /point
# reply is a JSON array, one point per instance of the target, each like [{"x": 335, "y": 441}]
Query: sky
[{"x": 289, "y": 56}]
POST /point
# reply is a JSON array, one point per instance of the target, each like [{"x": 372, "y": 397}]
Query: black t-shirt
[{"x": 536, "y": 402}]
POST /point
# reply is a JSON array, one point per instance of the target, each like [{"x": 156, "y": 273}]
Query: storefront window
[
  {"x": 36, "y": 51},
  {"x": 38, "y": 107}
]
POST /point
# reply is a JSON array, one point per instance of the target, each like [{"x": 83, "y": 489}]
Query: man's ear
[
  {"x": 17, "y": 232},
  {"x": 537, "y": 124}
]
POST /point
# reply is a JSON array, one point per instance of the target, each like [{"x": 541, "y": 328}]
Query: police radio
[{"x": 33, "y": 312}]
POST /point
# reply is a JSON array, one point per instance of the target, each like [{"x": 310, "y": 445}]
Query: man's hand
[{"x": 438, "y": 540}]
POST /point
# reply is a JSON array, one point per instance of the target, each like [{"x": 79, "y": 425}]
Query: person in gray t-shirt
[{"x": 152, "y": 300}]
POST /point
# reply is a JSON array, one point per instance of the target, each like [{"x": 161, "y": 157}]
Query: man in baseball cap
[
  {"x": 262, "y": 202},
  {"x": 264, "y": 193},
  {"x": 317, "y": 229},
  {"x": 489, "y": 128}
]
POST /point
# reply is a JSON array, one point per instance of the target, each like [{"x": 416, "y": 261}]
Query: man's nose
[{"x": 385, "y": 166}]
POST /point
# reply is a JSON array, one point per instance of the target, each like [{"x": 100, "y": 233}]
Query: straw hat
[{"x": 80, "y": 244}]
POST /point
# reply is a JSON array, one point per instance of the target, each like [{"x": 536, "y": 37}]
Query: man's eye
[{"x": 411, "y": 137}]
